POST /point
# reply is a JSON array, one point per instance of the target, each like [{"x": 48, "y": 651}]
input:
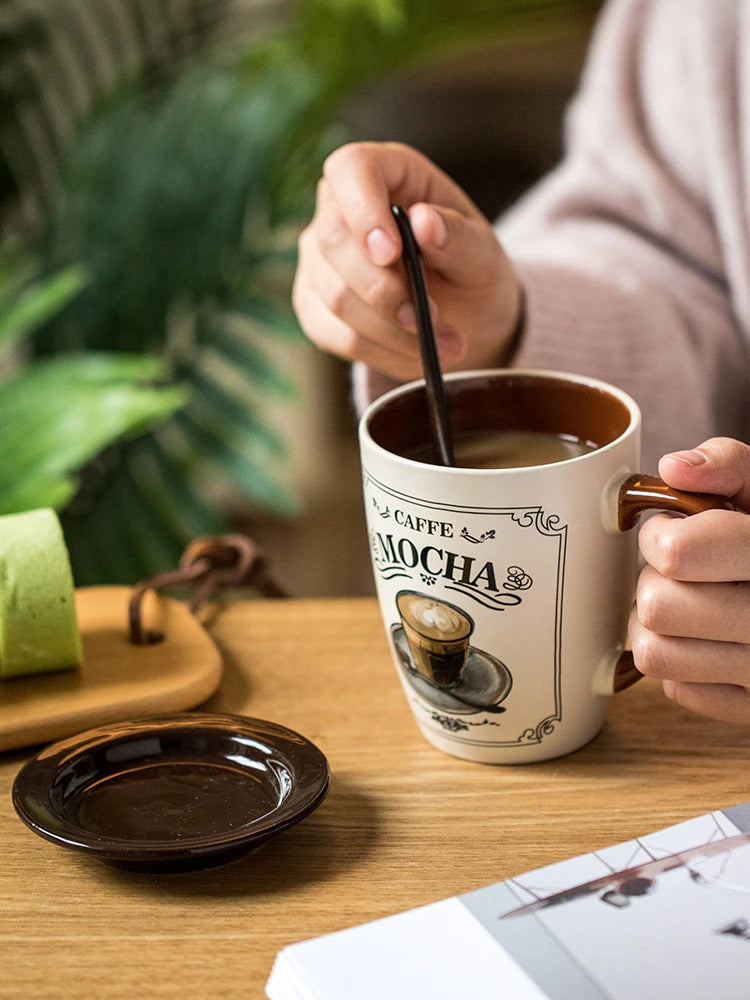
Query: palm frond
[
  {"x": 26, "y": 300},
  {"x": 36, "y": 303},
  {"x": 171, "y": 205},
  {"x": 59, "y": 413}
]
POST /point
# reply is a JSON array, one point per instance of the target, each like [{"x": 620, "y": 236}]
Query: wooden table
[{"x": 403, "y": 824}]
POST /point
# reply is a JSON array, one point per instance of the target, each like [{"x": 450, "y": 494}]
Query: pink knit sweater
[{"x": 635, "y": 252}]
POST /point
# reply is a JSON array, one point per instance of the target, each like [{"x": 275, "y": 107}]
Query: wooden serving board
[{"x": 118, "y": 680}]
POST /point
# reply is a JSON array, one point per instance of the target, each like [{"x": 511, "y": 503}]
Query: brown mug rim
[{"x": 398, "y": 420}]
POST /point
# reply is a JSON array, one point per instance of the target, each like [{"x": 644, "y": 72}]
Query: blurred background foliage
[
  {"x": 58, "y": 413},
  {"x": 165, "y": 232}
]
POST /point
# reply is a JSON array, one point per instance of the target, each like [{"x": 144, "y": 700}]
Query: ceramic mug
[{"x": 505, "y": 592}]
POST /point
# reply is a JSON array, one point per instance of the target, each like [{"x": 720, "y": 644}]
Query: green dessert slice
[{"x": 38, "y": 626}]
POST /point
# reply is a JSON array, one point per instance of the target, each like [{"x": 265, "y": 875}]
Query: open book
[{"x": 667, "y": 916}]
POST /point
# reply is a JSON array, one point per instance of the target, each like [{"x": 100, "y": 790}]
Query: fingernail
[
  {"x": 670, "y": 689},
  {"x": 382, "y": 248},
  {"x": 692, "y": 458},
  {"x": 440, "y": 233},
  {"x": 407, "y": 316},
  {"x": 450, "y": 343}
]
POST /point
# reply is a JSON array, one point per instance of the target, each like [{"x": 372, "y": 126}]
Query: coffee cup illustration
[{"x": 437, "y": 634}]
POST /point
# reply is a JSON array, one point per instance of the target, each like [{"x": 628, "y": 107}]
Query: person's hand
[
  {"x": 351, "y": 293},
  {"x": 691, "y": 623}
]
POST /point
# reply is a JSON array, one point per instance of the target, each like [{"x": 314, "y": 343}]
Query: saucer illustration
[{"x": 485, "y": 681}]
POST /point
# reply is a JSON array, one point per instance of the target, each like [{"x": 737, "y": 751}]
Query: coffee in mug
[
  {"x": 537, "y": 555},
  {"x": 507, "y": 449}
]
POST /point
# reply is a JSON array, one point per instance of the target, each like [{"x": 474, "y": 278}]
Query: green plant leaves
[
  {"x": 182, "y": 209},
  {"x": 161, "y": 198},
  {"x": 25, "y": 304},
  {"x": 355, "y": 42},
  {"x": 60, "y": 413},
  {"x": 57, "y": 414}
]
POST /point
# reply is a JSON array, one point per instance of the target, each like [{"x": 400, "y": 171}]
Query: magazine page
[
  {"x": 666, "y": 915},
  {"x": 438, "y": 951}
]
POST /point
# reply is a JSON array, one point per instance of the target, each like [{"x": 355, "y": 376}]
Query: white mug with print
[{"x": 505, "y": 592}]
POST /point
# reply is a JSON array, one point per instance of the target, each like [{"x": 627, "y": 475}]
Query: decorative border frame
[{"x": 457, "y": 728}]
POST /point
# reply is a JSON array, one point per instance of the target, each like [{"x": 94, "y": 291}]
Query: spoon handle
[{"x": 436, "y": 399}]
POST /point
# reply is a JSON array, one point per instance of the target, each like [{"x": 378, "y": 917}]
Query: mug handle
[{"x": 640, "y": 493}]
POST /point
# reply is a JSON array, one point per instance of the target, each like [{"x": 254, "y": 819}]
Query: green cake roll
[{"x": 38, "y": 626}]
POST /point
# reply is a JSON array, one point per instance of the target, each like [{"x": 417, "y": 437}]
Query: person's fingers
[
  {"x": 360, "y": 187},
  {"x": 332, "y": 334},
  {"x": 367, "y": 178},
  {"x": 318, "y": 284},
  {"x": 474, "y": 283},
  {"x": 713, "y": 611},
  {"x": 474, "y": 292},
  {"x": 719, "y": 465},
  {"x": 316, "y": 278},
  {"x": 725, "y": 702},
  {"x": 708, "y": 677},
  {"x": 462, "y": 249},
  {"x": 385, "y": 290},
  {"x": 375, "y": 301},
  {"x": 691, "y": 627},
  {"x": 695, "y": 661},
  {"x": 711, "y": 546}
]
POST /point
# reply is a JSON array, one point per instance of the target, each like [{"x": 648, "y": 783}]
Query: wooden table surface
[{"x": 403, "y": 824}]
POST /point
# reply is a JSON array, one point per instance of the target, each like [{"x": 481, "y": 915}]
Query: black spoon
[{"x": 436, "y": 402}]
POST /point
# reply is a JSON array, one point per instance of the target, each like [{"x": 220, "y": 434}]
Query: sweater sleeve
[{"x": 618, "y": 251}]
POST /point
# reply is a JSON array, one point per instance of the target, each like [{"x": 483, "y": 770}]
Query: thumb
[
  {"x": 719, "y": 465},
  {"x": 461, "y": 247}
]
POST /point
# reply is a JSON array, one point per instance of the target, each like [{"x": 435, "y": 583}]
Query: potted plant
[{"x": 182, "y": 202}]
